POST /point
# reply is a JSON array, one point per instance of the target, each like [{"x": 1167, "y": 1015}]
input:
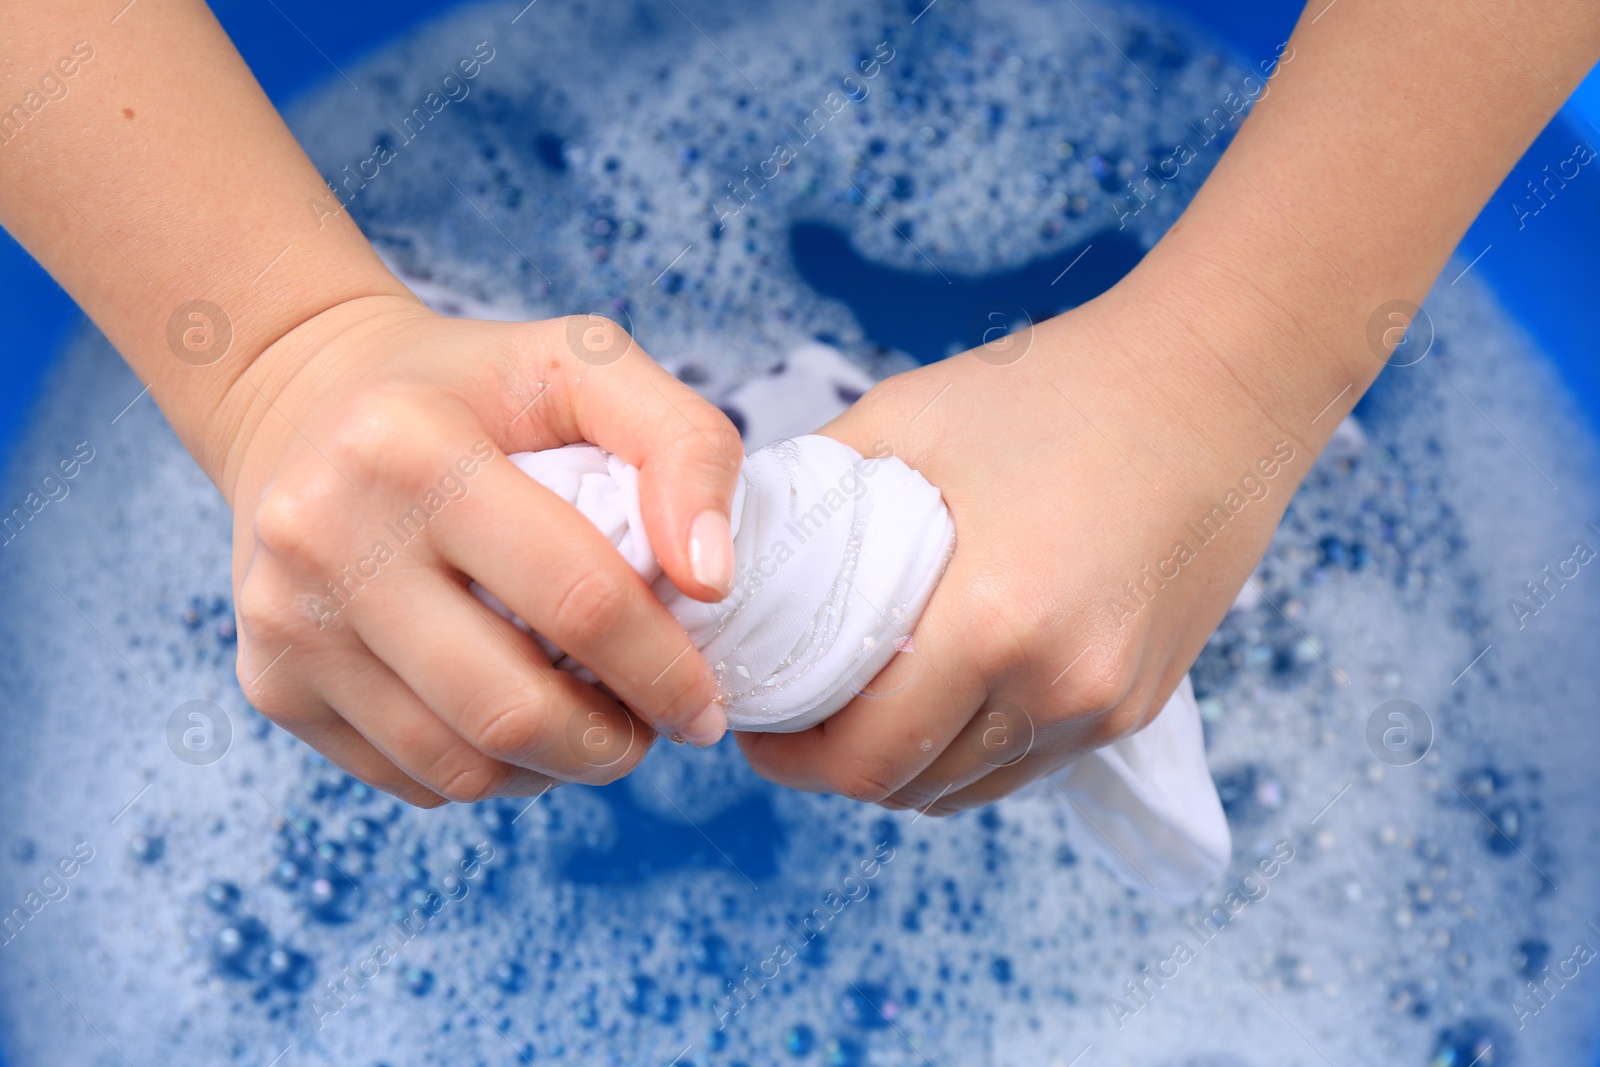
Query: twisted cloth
[{"x": 836, "y": 556}]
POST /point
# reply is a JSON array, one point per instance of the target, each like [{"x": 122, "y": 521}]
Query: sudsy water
[{"x": 234, "y": 911}]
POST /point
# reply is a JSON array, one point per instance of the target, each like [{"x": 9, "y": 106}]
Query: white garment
[
  {"x": 836, "y": 557},
  {"x": 1145, "y": 805}
]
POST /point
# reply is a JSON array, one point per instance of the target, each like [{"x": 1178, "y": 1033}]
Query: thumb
[{"x": 686, "y": 489}]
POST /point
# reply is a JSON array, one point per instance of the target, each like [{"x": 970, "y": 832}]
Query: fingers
[
  {"x": 296, "y": 709},
  {"x": 373, "y": 700},
  {"x": 320, "y": 726},
  {"x": 688, "y": 453},
  {"x": 989, "y": 787},
  {"x": 890, "y": 733},
  {"x": 999, "y": 736},
  {"x": 551, "y": 566},
  {"x": 488, "y": 691},
  {"x": 287, "y": 695}
]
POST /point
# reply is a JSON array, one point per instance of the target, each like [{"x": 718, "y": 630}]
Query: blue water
[
  {"x": 609, "y": 921},
  {"x": 1534, "y": 270},
  {"x": 933, "y": 315}
]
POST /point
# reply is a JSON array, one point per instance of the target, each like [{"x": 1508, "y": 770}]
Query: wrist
[
  {"x": 1255, "y": 328},
  {"x": 270, "y": 386}
]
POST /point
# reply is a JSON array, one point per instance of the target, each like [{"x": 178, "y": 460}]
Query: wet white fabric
[
  {"x": 836, "y": 556},
  {"x": 1146, "y": 805}
]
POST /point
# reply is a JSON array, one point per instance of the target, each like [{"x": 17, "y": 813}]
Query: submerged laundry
[{"x": 836, "y": 556}]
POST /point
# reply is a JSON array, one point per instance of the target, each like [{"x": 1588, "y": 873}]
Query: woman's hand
[
  {"x": 1075, "y": 460},
  {"x": 1084, "y": 581},
  {"x": 369, "y": 482}
]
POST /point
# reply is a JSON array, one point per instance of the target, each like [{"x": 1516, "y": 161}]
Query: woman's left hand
[{"x": 1075, "y": 458}]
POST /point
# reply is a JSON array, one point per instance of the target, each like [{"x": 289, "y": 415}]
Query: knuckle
[
  {"x": 254, "y": 688},
  {"x": 1093, "y": 694},
  {"x": 1101, "y": 681},
  {"x": 292, "y": 523},
  {"x": 592, "y": 606},
  {"x": 383, "y": 435},
  {"x": 590, "y": 337},
  {"x": 285, "y": 712},
  {"x": 1130, "y": 714},
  {"x": 507, "y": 725},
  {"x": 262, "y": 614},
  {"x": 706, "y": 436},
  {"x": 686, "y": 691},
  {"x": 621, "y": 768},
  {"x": 714, "y": 427}
]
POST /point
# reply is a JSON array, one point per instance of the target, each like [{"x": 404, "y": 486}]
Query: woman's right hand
[{"x": 368, "y": 476}]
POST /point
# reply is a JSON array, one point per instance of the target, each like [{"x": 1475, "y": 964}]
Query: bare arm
[
  {"x": 146, "y": 170},
  {"x": 1222, "y": 364},
  {"x": 162, "y": 176}
]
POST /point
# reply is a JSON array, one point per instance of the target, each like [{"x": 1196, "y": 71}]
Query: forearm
[
  {"x": 1382, "y": 133},
  {"x": 156, "y": 174}
]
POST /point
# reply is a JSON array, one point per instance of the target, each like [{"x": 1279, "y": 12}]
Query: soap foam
[{"x": 612, "y": 926}]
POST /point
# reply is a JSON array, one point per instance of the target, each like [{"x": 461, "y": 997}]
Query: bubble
[
  {"x": 239, "y": 949},
  {"x": 363, "y": 832},
  {"x": 799, "y": 1040},
  {"x": 289, "y": 969},
  {"x": 222, "y": 896},
  {"x": 867, "y": 1005},
  {"x": 509, "y": 976},
  {"x": 417, "y": 981},
  {"x": 844, "y": 1052},
  {"x": 146, "y": 848},
  {"x": 711, "y": 954},
  {"x": 1471, "y": 1043}
]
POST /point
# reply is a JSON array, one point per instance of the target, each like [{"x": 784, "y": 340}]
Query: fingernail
[
  {"x": 711, "y": 551},
  {"x": 706, "y": 728}
]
